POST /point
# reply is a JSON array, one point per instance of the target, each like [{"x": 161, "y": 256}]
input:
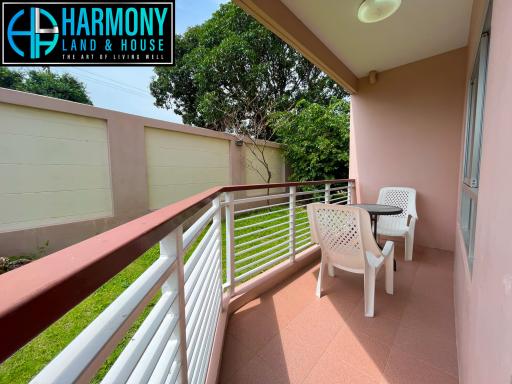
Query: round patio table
[{"x": 376, "y": 210}]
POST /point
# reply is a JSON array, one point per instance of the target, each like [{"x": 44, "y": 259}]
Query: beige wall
[
  {"x": 54, "y": 168},
  {"x": 255, "y": 172},
  {"x": 69, "y": 171},
  {"x": 484, "y": 299},
  {"x": 405, "y": 131},
  {"x": 181, "y": 165}
]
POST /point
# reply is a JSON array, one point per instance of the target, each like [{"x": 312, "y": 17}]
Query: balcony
[
  {"x": 288, "y": 335},
  {"x": 233, "y": 292}
]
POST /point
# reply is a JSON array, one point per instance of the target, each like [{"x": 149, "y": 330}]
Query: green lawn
[{"x": 29, "y": 360}]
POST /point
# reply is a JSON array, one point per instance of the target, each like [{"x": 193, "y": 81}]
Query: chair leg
[
  {"x": 330, "y": 270},
  {"x": 369, "y": 291},
  {"x": 390, "y": 271},
  {"x": 409, "y": 244},
  {"x": 319, "y": 286}
]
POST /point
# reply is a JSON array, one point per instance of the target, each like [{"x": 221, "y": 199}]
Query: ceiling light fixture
[{"x": 372, "y": 11}]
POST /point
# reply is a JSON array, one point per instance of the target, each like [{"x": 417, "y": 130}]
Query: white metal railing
[{"x": 190, "y": 285}]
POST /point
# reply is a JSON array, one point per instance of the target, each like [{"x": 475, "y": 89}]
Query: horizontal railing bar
[
  {"x": 235, "y": 188},
  {"x": 250, "y": 257},
  {"x": 199, "y": 344},
  {"x": 151, "y": 355},
  {"x": 243, "y": 252},
  {"x": 127, "y": 360},
  {"x": 174, "y": 372},
  {"x": 197, "y": 274},
  {"x": 302, "y": 235},
  {"x": 198, "y": 316},
  {"x": 262, "y": 222},
  {"x": 191, "y": 307},
  {"x": 306, "y": 223},
  {"x": 261, "y": 207},
  {"x": 196, "y": 254},
  {"x": 261, "y": 267},
  {"x": 319, "y": 198},
  {"x": 91, "y": 343},
  {"x": 249, "y": 265},
  {"x": 310, "y": 192},
  {"x": 338, "y": 198},
  {"x": 261, "y": 214},
  {"x": 305, "y": 241},
  {"x": 164, "y": 365},
  {"x": 305, "y": 220},
  {"x": 254, "y": 199},
  {"x": 262, "y": 238},
  {"x": 195, "y": 229},
  {"x": 305, "y": 230},
  {"x": 207, "y": 339},
  {"x": 340, "y": 202},
  {"x": 339, "y": 188},
  {"x": 260, "y": 230},
  {"x": 303, "y": 247}
]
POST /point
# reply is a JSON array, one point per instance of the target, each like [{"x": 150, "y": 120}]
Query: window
[{"x": 473, "y": 142}]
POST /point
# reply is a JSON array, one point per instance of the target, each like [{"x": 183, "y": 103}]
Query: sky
[{"x": 126, "y": 89}]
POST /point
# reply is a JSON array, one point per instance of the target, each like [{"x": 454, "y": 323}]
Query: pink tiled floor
[{"x": 289, "y": 336}]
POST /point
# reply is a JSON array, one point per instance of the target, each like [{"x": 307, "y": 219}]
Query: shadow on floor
[{"x": 288, "y": 335}]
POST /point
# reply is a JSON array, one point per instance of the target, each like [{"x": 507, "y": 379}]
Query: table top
[{"x": 379, "y": 209}]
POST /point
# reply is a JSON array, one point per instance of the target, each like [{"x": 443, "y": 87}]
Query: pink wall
[
  {"x": 484, "y": 300},
  {"x": 406, "y": 131}
]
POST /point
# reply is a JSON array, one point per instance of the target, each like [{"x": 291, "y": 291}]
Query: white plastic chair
[
  {"x": 401, "y": 225},
  {"x": 346, "y": 241}
]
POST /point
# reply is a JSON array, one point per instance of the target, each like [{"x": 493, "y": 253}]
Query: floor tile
[
  {"x": 235, "y": 356},
  {"x": 423, "y": 344},
  {"x": 404, "y": 369}
]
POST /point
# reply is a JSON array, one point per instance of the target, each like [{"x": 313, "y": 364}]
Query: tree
[
  {"x": 46, "y": 83},
  {"x": 315, "y": 138},
  {"x": 232, "y": 65}
]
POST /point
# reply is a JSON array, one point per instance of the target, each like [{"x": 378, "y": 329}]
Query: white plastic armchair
[
  {"x": 401, "y": 225},
  {"x": 346, "y": 242}
]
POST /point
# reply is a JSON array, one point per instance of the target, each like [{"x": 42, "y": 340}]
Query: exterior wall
[
  {"x": 483, "y": 300},
  {"x": 181, "y": 165},
  {"x": 41, "y": 155},
  {"x": 69, "y": 171},
  {"x": 405, "y": 131}
]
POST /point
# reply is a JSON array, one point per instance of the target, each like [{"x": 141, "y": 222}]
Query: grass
[{"x": 30, "y": 359}]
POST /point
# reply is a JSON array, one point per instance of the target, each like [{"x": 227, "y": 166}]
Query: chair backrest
[
  {"x": 402, "y": 197},
  {"x": 343, "y": 233}
]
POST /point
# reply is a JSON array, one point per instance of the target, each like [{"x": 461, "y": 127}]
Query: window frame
[{"x": 475, "y": 108}]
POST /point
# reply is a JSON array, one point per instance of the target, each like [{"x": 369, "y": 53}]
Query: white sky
[{"x": 126, "y": 89}]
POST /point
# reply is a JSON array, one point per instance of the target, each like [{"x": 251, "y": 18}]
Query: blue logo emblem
[{"x": 41, "y": 39}]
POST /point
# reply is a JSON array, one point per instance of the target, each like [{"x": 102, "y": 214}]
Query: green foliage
[
  {"x": 46, "y": 83},
  {"x": 315, "y": 139},
  {"x": 233, "y": 66}
]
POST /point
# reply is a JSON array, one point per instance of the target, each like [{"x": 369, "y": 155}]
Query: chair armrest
[
  {"x": 388, "y": 248},
  {"x": 374, "y": 261},
  {"x": 410, "y": 218}
]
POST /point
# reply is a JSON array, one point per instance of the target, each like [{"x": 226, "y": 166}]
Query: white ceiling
[{"x": 419, "y": 29}]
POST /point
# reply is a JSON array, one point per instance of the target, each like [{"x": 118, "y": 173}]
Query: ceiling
[{"x": 419, "y": 29}]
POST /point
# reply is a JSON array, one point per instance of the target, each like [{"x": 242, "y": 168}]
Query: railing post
[
  {"x": 293, "y": 196},
  {"x": 172, "y": 246},
  {"x": 351, "y": 193},
  {"x": 230, "y": 241},
  {"x": 327, "y": 193}
]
